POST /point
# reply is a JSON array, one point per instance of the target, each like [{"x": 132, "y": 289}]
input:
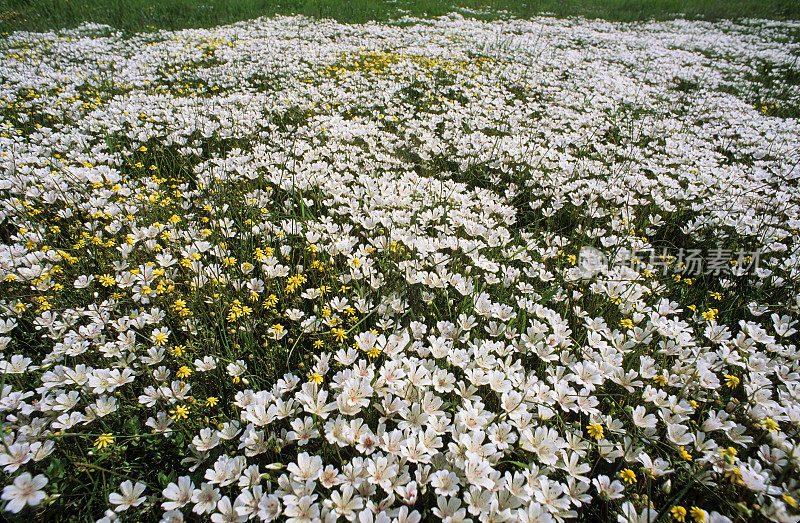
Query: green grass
[{"x": 140, "y": 15}]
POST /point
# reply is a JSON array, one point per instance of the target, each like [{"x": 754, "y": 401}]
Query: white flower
[
  {"x": 25, "y": 490},
  {"x": 179, "y": 495},
  {"x": 83, "y": 281},
  {"x": 445, "y": 483},
  {"x": 227, "y": 512},
  {"x": 307, "y": 467},
  {"x": 345, "y": 503},
  {"x": 629, "y": 514},
  {"x": 129, "y": 496},
  {"x": 678, "y": 434},
  {"x": 172, "y": 516},
  {"x": 608, "y": 489},
  {"x": 306, "y": 510},
  {"x": 642, "y": 419},
  {"x": 205, "y": 498}
]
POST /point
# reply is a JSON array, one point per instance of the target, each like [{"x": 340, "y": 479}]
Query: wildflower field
[{"x": 418, "y": 270}]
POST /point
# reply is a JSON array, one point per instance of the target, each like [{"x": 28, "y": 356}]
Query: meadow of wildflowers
[{"x": 296, "y": 270}]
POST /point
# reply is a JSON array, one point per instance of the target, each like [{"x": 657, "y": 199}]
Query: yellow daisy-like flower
[
  {"x": 731, "y": 381},
  {"x": 339, "y": 335},
  {"x": 183, "y": 372},
  {"x": 271, "y": 301},
  {"x": 211, "y": 401},
  {"x": 698, "y": 514},
  {"x": 678, "y": 513},
  {"x": 104, "y": 440},
  {"x": 595, "y": 430},
  {"x": 179, "y": 412},
  {"x": 770, "y": 425},
  {"x": 315, "y": 377},
  {"x": 628, "y": 476},
  {"x": 735, "y": 475},
  {"x": 685, "y": 455}
]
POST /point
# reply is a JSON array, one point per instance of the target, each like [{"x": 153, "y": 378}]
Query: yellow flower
[
  {"x": 697, "y": 514},
  {"x": 142, "y": 148},
  {"x": 339, "y": 334},
  {"x": 271, "y": 301},
  {"x": 595, "y": 430},
  {"x": 685, "y": 455},
  {"x": 628, "y": 476},
  {"x": 183, "y": 372},
  {"x": 319, "y": 344},
  {"x": 731, "y": 381},
  {"x": 735, "y": 475},
  {"x": 315, "y": 377},
  {"x": 104, "y": 440},
  {"x": 211, "y": 401},
  {"x": 106, "y": 280},
  {"x": 678, "y": 513},
  {"x": 789, "y": 500},
  {"x": 180, "y": 412},
  {"x": 770, "y": 425}
]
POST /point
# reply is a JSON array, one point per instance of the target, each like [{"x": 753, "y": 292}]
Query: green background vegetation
[{"x": 139, "y": 15}]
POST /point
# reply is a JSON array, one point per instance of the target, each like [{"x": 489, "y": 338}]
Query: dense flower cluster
[{"x": 297, "y": 269}]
